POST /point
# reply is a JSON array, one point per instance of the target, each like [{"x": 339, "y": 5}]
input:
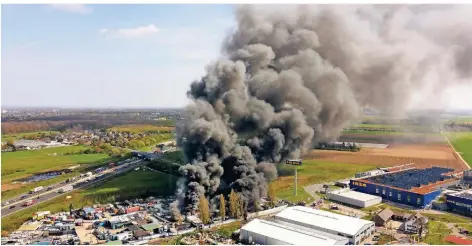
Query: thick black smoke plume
[{"x": 292, "y": 76}]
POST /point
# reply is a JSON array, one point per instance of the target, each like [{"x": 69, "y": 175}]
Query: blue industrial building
[
  {"x": 460, "y": 202},
  {"x": 413, "y": 187}
]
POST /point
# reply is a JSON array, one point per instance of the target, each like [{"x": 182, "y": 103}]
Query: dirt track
[{"x": 422, "y": 155}]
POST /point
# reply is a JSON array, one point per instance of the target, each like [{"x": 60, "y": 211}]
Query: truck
[
  {"x": 66, "y": 189},
  {"x": 34, "y": 190},
  {"x": 29, "y": 203}
]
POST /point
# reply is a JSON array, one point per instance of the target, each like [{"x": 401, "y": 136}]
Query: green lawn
[
  {"x": 466, "y": 226},
  {"x": 134, "y": 184},
  {"x": 312, "y": 172},
  {"x": 175, "y": 156},
  {"x": 462, "y": 142},
  {"x": 22, "y": 164},
  {"x": 130, "y": 185},
  {"x": 227, "y": 229},
  {"x": 446, "y": 218},
  {"x": 436, "y": 233}
]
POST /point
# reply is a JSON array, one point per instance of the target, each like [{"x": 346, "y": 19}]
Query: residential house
[
  {"x": 399, "y": 216},
  {"x": 414, "y": 222},
  {"x": 383, "y": 217}
]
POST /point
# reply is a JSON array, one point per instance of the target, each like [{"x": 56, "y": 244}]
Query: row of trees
[
  {"x": 237, "y": 206},
  {"x": 148, "y": 140},
  {"x": 341, "y": 147},
  {"x": 103, "y": 149}
]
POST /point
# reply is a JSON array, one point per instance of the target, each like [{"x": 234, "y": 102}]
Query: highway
[
  {"x": 26, "y": 196},
  {"x": 16, "y": 204},
  {"x": 81, "y": 183}
]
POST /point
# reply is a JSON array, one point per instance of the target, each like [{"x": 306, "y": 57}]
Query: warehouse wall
[
  {"x": 459, "y": 205},
  {"x": 352, "y": 201},
  {"x": 395, "y": 195},
  {"x": 259, "y": 239}
]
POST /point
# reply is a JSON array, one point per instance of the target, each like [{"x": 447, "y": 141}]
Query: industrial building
[
  {"x": 467, "y": 178},
  {"x": 271, "y": 233},
  {"x": 460, "y": 202},
  {"x": 413, "y": 186},
  {"x": 354, "y": 198},
  {"x": 352, "y": 228}
]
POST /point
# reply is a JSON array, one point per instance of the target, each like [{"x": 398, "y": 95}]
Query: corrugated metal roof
[
  {"x": 287, "y": 234},
  {"x": 355, "y": 195},
  {"x": 116, "y": 242},
  {"x": 152, "y": 226},
  {"x": 323, "y": 219},
  {"x": 458, "y": 240},
  {"x": 385, "y": 214}
]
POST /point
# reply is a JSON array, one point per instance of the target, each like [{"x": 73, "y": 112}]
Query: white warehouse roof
[
  {"x": 354, "y": 195},
  {"x": 323, "y": 219},
  {"x": 287, "y": 234}
]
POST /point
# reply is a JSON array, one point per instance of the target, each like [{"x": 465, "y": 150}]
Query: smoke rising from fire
[{"x": 296, "y": 75}]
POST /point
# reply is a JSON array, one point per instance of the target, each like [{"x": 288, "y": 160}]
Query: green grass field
[
  {"x": 21, "y": 164},
  {"x": 17, "y": 136},
  {"x": 135, "y": 184},
  {"x": 462, "y": 142},
  {"x": 130, "y": 185},
  {"x": 312, "y": 172},
  {"x": 436, "y": 233},
  {"x": 446, "y": 218},
  {"x": 419, "y": 134},
  {"x": 141, "y": 128}
]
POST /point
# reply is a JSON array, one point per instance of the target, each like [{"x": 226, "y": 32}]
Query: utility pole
[{"x": 295, "y": 190}]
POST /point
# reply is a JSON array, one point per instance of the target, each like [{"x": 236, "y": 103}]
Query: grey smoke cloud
[{"x": 292, "y": 76}]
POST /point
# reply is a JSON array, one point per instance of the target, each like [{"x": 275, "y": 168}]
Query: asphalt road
[
  {"x": 29, "y": 196},
  {"x": 45, "y": 196},
  {"x": 16, "y": 204}
]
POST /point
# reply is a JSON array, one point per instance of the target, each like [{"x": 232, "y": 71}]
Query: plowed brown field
[{"x": 422, "y": 155}]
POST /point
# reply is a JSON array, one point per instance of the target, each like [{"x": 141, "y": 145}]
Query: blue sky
[{"x": 107, "y": 55}]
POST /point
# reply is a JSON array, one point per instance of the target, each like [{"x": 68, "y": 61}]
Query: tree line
[{"x": 237, "y": 207}]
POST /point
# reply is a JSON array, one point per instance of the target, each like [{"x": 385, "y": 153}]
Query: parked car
[{"x": 375, "y": 238}]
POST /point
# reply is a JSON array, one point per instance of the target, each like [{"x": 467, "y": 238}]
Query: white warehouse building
[
  {"x": 271, "y": 233},
  {"x": 353, "y": 198},
  {"x": 356, "y": 230}
]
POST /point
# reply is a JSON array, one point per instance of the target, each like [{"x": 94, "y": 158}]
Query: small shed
[
  {"x": 383, "y": 217},
  {"x": 399, "y": 216},
  {"x": 153, "y": 227}
]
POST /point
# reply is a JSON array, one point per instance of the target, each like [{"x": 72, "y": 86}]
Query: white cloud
[
  {"x": 137, "y": 32},
  {"x": 73, "y": 8}
]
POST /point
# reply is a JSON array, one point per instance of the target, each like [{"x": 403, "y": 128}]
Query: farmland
[
  {"x": 462, "y": 142},
  {"x": 129, "y": 185},
  {"x": 8, "y": 137},
  {"x": 142, "y": 128},
  {"x": 312, "y": 172},
  {"x": 420, "y": 154},
  {"x": 21, "y": 164}
]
